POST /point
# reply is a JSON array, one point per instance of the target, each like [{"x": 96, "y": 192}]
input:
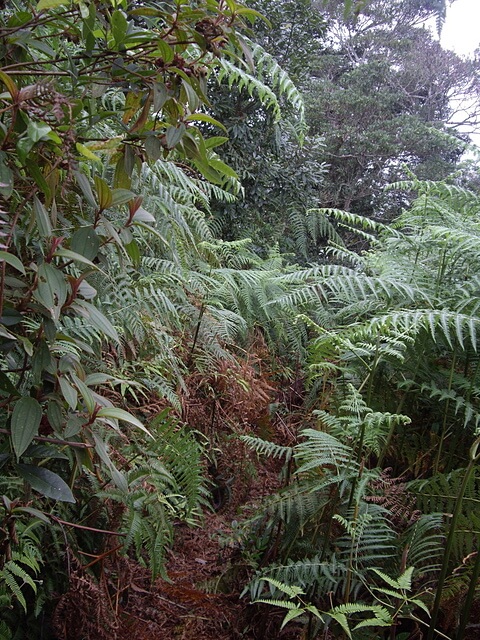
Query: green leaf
[
  {"x": 6, "y": 385},
  {"x": 33, "y": 512},
  {"x": 51, "y": 4},
  {"x": 72, "y": 255},
  {"x": 51, "y": 288},
  {"x": 174, "y": 135},
  {"x": 6, "y": 178},
  {"x": 291, "y": 615},
  {"x": 97, "y": 318},
  {"x": 215, "y": 141},
  {"x": 45, "y": 482},
  {"x": 119, "y": 26},
  {"x": 153, "y": 148},
  {"x": 119, "y": 414},
  {"x": 86, "y": 153},
  {"x": 86, "y": 393},
  {"x": 26, "y": 417},
  {"x": 85, "y": 242},
  {"x": 133, "y": 251},
  {"x": 141, "y": 215},
  {"x": 160, "y": 93},
  {"x": 85, "y": 187},
  {"x": 220, "y": 166},
  {"x": 36, "y": 173},
  {"x": 55, "y": 415},
  {"x": 118, "y": 477},
  {"x": 69, "y": 392},
  {"x": 12, "y": 260},
  {"x": 104, "y": 193},
  {"x": 37, "y": 131},
  {"x": 121, "y": 196},
  {"x": 203, "y": 117},
  {"x": 9, "y": 83},
  {"x": 42, "y": 218}
]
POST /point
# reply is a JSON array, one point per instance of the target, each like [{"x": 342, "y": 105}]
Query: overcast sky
[{"x": 461, "y": 31}]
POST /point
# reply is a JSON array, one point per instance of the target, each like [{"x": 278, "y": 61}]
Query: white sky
[{"x": 461, "y": 31}]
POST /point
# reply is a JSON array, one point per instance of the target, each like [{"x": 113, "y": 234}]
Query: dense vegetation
[{"x": 158, "y": 365}]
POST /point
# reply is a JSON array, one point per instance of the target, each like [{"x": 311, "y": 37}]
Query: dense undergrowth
[{"x": 156, "y": 379}]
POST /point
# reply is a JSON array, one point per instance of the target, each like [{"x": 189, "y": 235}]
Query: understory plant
[
  {"x": 388, "y": 473},
  {"x": 113, "y": 286}
]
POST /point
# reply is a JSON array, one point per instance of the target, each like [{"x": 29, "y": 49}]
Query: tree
[{"x": 383, "y": 94}]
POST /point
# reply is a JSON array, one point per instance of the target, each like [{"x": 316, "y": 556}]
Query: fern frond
[{"x": 266, "y": 448}]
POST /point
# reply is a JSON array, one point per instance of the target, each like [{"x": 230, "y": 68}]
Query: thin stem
[{"x": 469, "y": 471}]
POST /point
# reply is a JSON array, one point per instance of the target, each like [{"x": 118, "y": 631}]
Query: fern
[
  {"x": 268, "y": 71},
  {"x": 164, "y": 483},
  {"x": 263, "y": 447},
  {"x": 440, "y": 494}
]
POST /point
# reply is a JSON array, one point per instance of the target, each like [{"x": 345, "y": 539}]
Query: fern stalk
[
  {"x": 467, "y": 607},
  {"x": 474, "y": 457},
  {"x": 445, "y": 414}
]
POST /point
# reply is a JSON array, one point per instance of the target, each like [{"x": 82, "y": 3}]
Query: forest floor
[
  {"x": 200, "y": 600},
  {"x": 206, "y": 569}
]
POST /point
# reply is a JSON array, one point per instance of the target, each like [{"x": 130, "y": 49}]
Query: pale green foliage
[{"x": 269, "y": 81}]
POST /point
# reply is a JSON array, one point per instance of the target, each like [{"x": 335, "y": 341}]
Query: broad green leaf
[
  {"x": 141, "y": 215},
  {"x": 118, "y": 477},
  {"x": 221, "y": 166},
  {"x": 69, "y": 392},
  {"x": 203, "y": 117},
  {"x": 9, "y": 83},
  {"x": 85, "y": 392},
  {"x": 85, "y": 242},
  {"x": 45, "y": 482},
  {"x": 98, "y": 378},
  {"x": 104, "y": 193},
  {"x": 12, "y": 260},
  {"x": 42, "y": 218},
  {"x": 51, "y": 4},
  {"x": 55, "y": 415},
  {"x": 33, "y": 512},
  {"x": 252, "y": 15},
  {"x": 86, "y": 188},
  {"x": 26, "y": 417},
  {"x": 51, "y": 289},
  {"x": 96, "y": 317},
  {"x": 86, "y": 153},
  {"x": 74, "y": 426},
  {"x": 36, "y": 131},
  {"x": 174, "y": 135},
  {"x": 121, "y": 196},
  {"x": 133, "y": 251},
  {"x": 6, "y": 178},
  {"x": 36, "y": 173},
  {"x": 72, "y": 255},
  {"x": 45, "y": 451},
  {"x": 6, "y": 386},
  {"x": 153, "y": 148},
  {"x": 215, "y": 141},
  {"x": 41, "y": 361},
  {"x": 191, "y": 97},
  {"x": 119, "y": 414},
  {"x": 160, "y": 94},
  {"x": 119, "y": 26}
]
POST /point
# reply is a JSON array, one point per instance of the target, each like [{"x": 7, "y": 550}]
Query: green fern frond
[
  {"x": 266, "y": 448},
  {"x": 234, "y": 75}
]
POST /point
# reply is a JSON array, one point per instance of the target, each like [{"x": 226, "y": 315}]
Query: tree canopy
[{"x": 239, "y": 293}]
